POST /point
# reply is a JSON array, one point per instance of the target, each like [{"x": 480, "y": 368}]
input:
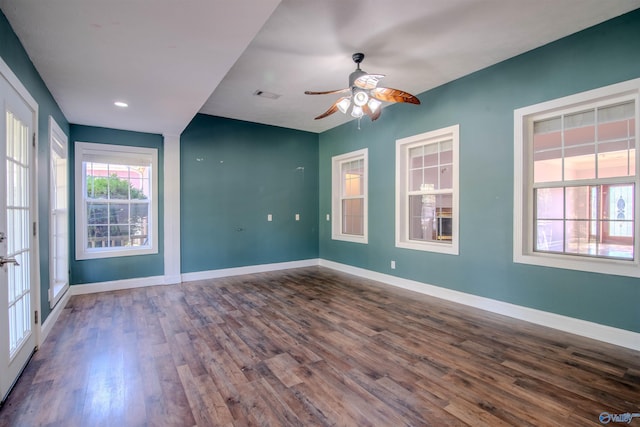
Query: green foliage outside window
[
  {"x": 98, "y": 187},
  {"x": 113, "y": 221}
]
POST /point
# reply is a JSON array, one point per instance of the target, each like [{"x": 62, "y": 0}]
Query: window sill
[
  {"x": 441, "y": 248},
  {"x": 586, "y": 264},
  {"x": 350, "y": 238},
  {"x": 113, "y": 253}
]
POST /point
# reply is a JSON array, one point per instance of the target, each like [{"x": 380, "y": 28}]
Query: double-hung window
[
  {"x": 427, "y": 191},
  {"x": 116, "y": 200},
  {"x": 59, "y": 213},
  {"x": 577, "y": 182},
  {"x": 349, "y": 193}
]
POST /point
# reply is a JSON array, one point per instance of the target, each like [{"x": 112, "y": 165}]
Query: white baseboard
[
  {"x": 116, "y": 285},
  {"x": 251, "y": 269},
  {"x": 616, "y": 336},
  {"x": 52, "y": 318},
  {"x": 608, "y": 334},
  {"x": 174, "y": 279}
]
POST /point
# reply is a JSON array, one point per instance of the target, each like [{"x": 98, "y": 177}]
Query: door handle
[{"x": 4, "y": 261}]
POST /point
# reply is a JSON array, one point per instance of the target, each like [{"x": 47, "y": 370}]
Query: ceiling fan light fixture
[
  {"x": 365, "y": 96},
  {"x": 360, "y": 98},
  {"x": 374, "y": 104},
  {"x": 343, "y": 105}
]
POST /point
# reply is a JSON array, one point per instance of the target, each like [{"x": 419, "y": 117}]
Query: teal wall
[
  {"x": 483, "y": 103},
  {"x": 14, "y": 55},
  {"x": 117, "y": 268},
  {"x": 233, "y": 174}
]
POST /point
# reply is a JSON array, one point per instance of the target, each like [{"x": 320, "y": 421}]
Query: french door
[{"x": 17, "y": 243}]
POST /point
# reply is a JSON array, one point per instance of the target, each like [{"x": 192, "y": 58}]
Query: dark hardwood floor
[{"x": 311, "y": 347}]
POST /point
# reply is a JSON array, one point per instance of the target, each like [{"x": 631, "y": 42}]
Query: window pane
[
  {"x": 620, "y": 250},
  {"x": 446, "y": 153},
  {"x": 580, "y": 162},
  {"x": 578, "y": 238},
  {"x": 97, "y": 213},
  {"x": 119, "y": 235},
  {"x": 619, "y": 113},
  {"x": 97, "y": 236},
  {"x": 614, "y": 131},
  {"x": 352, "y": 178},
  {"x": 416, "y": 180},
  {"x": 548, "y": 126},
  {"x": 547, "y": 166},
  {"x": 549, "y": 203},
  {"x": 431, "y": 176},
  {"x": 444, "y": 215},
  {"x": 613, "y": 159},
  {"x": 430, "y": 155},
  {"x": 431, "y": 218},
  {"x": 416, "y": 157},
  {"x": 582, "y": 119},
  {"x": 549, "y": 235},
  {"x": 353, "y": 216},
  {"x": 446, "y": 177},
  {"x": 422, "y": 223},
  {"x": 577, "y": 201},
  {"x": 621, "y": 204},
  {"x": 119, "y": 213}
]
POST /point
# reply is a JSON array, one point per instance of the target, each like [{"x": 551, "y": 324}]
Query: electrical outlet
[{"x": 393, "y": 265}]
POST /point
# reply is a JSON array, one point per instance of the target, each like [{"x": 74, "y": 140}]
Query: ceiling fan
[{"x": 365, "y": 96}]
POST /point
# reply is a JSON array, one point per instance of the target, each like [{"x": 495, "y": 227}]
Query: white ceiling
[{"x": 170, "y": 59}]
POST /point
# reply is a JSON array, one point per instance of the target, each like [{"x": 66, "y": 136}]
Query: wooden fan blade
[
  {"x": 331, "y": 109},
  {"x": 328, "y": 92},
  {"x": 373, "y": 116},
  {"x": 368, "y": 81},
  {"x": 393, "y": 95}
]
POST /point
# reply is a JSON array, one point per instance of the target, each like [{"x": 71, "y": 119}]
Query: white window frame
[
  {"x": 523, "y": 181},
  {"x": 336, "y": 196},
  {"x": 59, "y": 206},
  {"x": 403, "y": 146},
  {"x": 113, "y": 154}
]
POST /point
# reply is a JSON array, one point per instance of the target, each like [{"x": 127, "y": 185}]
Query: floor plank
[{"x": 311, "y": 347}]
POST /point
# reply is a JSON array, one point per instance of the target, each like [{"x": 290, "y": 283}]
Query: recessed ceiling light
[{"x": 120, "y": 104}]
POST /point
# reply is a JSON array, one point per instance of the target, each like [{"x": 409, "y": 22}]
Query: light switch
[
  {"x": 269, "y": 217},
  {"x": 297, "y": 217}
]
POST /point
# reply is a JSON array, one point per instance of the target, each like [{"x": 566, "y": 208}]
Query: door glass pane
[{"x": 18, "y": 226}]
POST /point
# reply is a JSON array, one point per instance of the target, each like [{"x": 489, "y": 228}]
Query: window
[
  {"x": 349, "y": 193},
  {"x": 116, "y": 203},
  {"x": 576, "y": 181},
  {"x": 59, "y": 219},
  {"x": 427, "y": 191}
]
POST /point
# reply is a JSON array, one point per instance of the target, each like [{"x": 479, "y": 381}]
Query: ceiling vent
[{"x": 265, "y": 94}]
